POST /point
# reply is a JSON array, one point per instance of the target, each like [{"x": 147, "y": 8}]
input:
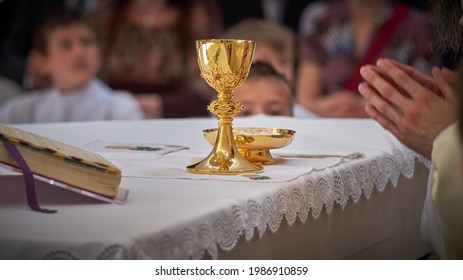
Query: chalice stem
[
  {"x": 224, "y": 157},
  {"x": 225, "y": 147}
]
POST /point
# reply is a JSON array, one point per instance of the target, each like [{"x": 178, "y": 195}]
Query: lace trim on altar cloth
[{"x": 312, "y": 193}]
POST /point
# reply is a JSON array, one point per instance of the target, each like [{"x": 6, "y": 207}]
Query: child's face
[
  {"x": 264, "y": 96},
  {"x": 73, "y": 57}
]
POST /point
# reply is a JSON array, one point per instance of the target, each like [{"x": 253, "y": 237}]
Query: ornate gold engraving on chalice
[{"x": 224, "y": 64}]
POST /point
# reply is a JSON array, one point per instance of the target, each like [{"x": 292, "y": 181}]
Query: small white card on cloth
[{"x": 100, "y": 146}]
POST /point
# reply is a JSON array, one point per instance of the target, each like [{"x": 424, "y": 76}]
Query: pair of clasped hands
[{"x": 411, "y": 105}]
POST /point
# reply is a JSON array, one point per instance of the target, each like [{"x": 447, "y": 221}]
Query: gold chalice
[{"x": 224, "y": 64}]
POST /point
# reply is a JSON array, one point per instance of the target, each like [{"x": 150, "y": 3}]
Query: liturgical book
[{"x": 62, "y": 165}]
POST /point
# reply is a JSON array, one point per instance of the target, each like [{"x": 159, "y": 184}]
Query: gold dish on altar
[{"x": 254, "y": 143}]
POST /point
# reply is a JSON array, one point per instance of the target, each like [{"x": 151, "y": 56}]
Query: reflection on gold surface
[
  {"x": 254, "y": 143},
  {"x": 224, "y": 64}
]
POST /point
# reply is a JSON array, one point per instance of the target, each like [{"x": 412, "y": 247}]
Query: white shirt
[{"x": 95, "y": 102}]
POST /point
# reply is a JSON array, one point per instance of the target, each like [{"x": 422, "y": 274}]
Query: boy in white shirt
[{"x": 68, "y": 51}]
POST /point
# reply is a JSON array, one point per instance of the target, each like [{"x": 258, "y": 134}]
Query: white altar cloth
[{"x": 168, "y": 216}]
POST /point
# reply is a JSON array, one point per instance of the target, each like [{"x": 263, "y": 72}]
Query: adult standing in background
[
  {"x": 337, "y": 37},
  {"x": 149, "y": 48},
  {"x": 286, "y": 12}
]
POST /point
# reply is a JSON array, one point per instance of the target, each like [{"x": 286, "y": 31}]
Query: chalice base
[
  {"x": 209, "y": 166},
  {"x": 225, "y": 158}
]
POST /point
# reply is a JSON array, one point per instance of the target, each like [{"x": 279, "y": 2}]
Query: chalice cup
[{"x": 224, "y": 64}]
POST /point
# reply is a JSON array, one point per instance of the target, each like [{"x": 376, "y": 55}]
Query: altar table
[{"x": 364, "y": 208}]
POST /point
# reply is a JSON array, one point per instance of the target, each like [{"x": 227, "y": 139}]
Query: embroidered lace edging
[{"x": 314, "y": 191}]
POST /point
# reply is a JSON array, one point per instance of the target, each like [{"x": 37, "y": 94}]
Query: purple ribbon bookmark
[{"x": 28, "y": 179}]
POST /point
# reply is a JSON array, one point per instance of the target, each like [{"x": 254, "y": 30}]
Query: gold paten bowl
[{"x": 254, "y": 143}]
